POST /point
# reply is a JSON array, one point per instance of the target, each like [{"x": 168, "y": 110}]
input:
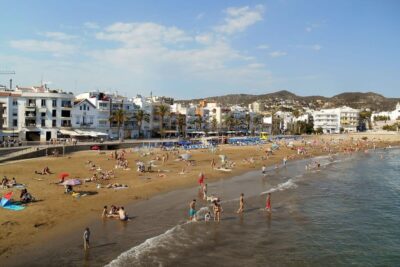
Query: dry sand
[{"x": 56, "y": 212}]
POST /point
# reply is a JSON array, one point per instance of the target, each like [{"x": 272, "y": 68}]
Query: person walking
[
  {"x": 241, "y": 204},
  {"x": 86, "y": 237},
  {"x": 268, "y": 203}
]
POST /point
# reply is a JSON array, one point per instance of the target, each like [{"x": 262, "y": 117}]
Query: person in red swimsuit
[
  {"x": 268, "y": 204},
  {"x": 201, "y": 179}
]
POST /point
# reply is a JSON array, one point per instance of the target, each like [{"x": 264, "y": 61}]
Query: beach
[{"x": 56, "y": 215}]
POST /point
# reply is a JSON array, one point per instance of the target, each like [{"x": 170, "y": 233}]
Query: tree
[
  {"x": 198, "y": 122},
  {"x": 256, "y": 123},
  {"x": 247, "y": 119},
  {"x": 229, "y": 122},
  {"x": 214, "y": 124},
  {"x": 119, "y": 117},
  {"x": 141, "y": 116},
  {"x": 181, "y": 123},
  {"x": 319, "y": 130},
  {"x": 162, "y": 111}
]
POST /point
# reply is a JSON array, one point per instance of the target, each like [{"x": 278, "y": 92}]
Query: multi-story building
[
  {"x": 337, "y": 120},
  {"x": 93, "y": 110},
  {"x": 36, "y": 113}
]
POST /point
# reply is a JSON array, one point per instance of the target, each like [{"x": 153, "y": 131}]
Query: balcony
[
  {"x": 66, "y": 106},
  {"x": 30, "y": 115},
  {"x": 30, "y": 125},
  {"x": 66, "y": 124},
  {"x": 30, "y": 106}
]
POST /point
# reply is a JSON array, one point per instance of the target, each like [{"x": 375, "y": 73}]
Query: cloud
[
  {"x": 143, "y": 34},
  {"x": 256, "y": 65},
  {"x": 58, "y": 36},
  {"x": 91, "y": 25},
  {"x": 263, "y": 47},
  {"x": 204, "y": 38},
  {"x": 239, "y": 19},
  {"x": 277, "y": 54},
  {"x": 316, "y": 47},
  {"x": 54, "y": 47},
  {"x": 312, "y": 26},
  {"x": 200, "y": 16}
]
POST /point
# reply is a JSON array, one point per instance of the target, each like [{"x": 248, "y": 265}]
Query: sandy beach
[{"x": 55, "y": 213}]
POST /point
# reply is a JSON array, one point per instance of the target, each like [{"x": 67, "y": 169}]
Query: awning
[{"x": 68, "y": 132}]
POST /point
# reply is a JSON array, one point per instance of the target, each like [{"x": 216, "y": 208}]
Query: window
[
  {"x": 54, "y": 113},
  {"x": 43, "y": 102},
  {"x": 15, "y": 102},
  {"x": 88, "y": 108},
  {"x": 80, "y": 107},
  {"x": 54, "y": 124},
  {"x": 43, "y": 114},
  {"x": 91, "y": 120},
  {"x": 15, "y": 123},
  {"x": 54, "y": 103},
  {"x": 65, "y": 113},
  {"x": 43, "y": 123},
  {"x": 78, "y": 119}
]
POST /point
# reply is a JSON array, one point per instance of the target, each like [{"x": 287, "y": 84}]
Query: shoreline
[{"x": 159, "y": 189}]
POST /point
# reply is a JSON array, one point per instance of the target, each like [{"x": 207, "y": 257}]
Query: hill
[{"x": 358, "y": 100}]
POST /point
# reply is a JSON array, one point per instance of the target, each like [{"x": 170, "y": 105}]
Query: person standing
[
  {"x": 192, "y": 210},
  {"x": 241, "y": 203},
  {"x": 217, "y": 211},
  {"x": 201, "y": 179},
  {"x": 213, "y": 164},
  {"x": 268, "y": 203},
  {"x": 86, "y": 237}
]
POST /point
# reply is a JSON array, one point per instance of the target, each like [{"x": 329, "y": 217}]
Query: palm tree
[
  {"x": 230, "y": 121},
  {"x": 256, "y": 123},
  {"x": 181, "y": 123},
  {"x": 214, "y": 124},
  {"x": 119, "y": 117},
  {"x": 141, "y": 116},
  {"x": 162, "y": 111},
  {"x": 198, "y": 121},
  {"x": 247, "y": 119}
]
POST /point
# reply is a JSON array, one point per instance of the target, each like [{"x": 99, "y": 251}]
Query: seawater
[{"x": 346, "y": 213}]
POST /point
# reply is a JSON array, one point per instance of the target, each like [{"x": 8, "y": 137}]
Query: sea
[{"x": 344, "y": 213}]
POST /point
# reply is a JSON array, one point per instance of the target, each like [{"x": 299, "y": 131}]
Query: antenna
[{"x": 8, "y": 72}]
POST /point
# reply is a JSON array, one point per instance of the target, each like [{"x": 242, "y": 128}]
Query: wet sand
[{"x": 61, "y": 217}]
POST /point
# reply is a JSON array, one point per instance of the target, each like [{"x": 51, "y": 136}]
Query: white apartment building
[
  {"x": 36, "y": 113},
  {"x": 392, "y": 115},
  {"x": 92, "y": 111},
  {"x": 333, "y": 120}
]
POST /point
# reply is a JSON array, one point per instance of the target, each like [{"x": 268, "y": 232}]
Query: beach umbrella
[
  {"x": 72, "y": 182},
  {"x": 63, "y": 175},
  {"x": 186, "y": 156},
  {"x": 5, "y": 199}
]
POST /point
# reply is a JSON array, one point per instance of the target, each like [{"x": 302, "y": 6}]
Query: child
[
  {"x": 86, "y": 236},
  {"x": 207, "y": 217}
]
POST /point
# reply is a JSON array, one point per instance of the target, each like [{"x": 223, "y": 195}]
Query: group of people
[
  {"x": 217, "y": 208},
  {"x": 6, "y": 183},
  {"x": 115, "y": 212}
]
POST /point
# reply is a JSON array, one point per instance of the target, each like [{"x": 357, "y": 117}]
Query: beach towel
[
  {"x": 6, "y": 203},
  {"x": 13, "y": 207}
]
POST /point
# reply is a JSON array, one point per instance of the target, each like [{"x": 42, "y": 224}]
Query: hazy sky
[{"x": 189, "y": 49}]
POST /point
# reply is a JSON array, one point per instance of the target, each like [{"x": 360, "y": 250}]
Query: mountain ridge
[{"x": 360, "y": 100}]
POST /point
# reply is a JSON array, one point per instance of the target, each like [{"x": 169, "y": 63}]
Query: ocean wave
[
  {"x": 289, "y": 184},
  {"x": 132, "y": 257}
]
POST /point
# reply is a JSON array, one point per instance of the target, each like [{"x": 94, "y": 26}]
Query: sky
[{"x": 193, "y": 49}]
